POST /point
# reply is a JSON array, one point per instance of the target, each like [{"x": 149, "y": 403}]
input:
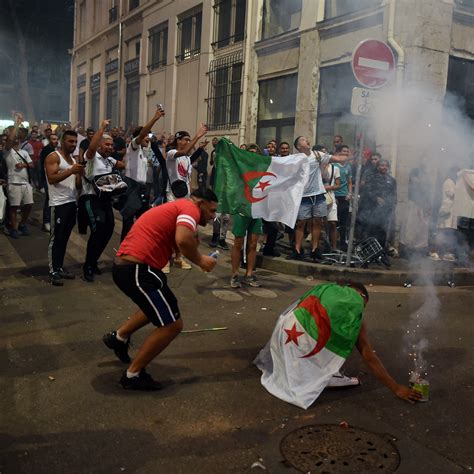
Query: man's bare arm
[
  {"x": 377, "y": 368},
  {"x": 54, "y": 174},
  {"x": 199, "y": 134},
  {"x": 148, "y": 126},
  {"x": 95, "y": 142},
  {"x": 188, "y": 245}
]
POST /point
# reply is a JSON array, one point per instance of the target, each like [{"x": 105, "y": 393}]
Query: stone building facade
[{"x": 260, "y": 69}]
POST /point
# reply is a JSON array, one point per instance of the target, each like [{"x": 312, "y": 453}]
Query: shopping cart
[{"x": 365, "y": 252}]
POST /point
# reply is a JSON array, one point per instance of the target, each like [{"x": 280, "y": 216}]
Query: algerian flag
[
  {"x": 253, "y": 185},
  {"x": 310, "y": 342}
]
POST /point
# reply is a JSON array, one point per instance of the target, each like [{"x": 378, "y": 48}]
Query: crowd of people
[{"x": 149, "y": 169}]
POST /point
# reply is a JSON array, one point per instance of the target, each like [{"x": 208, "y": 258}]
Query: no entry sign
[{"x": 373, "y": 63}]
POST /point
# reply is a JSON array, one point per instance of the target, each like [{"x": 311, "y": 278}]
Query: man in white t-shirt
[
  {"x": 20, "y": 191},
  {"x": 136, "y": 168},
  {"x": 313, "y": 208}
]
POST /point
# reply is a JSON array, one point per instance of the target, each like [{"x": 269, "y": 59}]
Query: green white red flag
[
  {"x": 254, "y": 185},
  {"x": 310, "y": 342}
]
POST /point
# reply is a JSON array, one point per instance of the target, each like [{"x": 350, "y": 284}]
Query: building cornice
[
  {"x": 351, "y": 22},
  {"x": 281, "y": 42}
]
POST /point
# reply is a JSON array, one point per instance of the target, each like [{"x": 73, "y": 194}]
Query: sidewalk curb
[{"x": 460, "y": 276}]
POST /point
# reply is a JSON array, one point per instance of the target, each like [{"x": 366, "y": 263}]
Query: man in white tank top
[{"x": 63, "y": 176}]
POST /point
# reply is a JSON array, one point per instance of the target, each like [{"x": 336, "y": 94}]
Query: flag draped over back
[
  {"x": 253, "y": 185},
  {"x": 310, "y": 342}
]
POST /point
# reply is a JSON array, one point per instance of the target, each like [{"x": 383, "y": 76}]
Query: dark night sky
[{"x": 47, "y": 28}]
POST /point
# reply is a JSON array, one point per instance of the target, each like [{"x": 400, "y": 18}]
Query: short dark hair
[
  {"x": 358, "y": 287},
  {"x": 376, "y": 154},
  {"x": 318, "y": 147},
  {"x": 90, "y": 129},
  {"x": 284, "y": 143},
  {"x": 68, "y": 133},
  {"x": 339, "y": 148},
  {"x": 297, "y": 139},
  {"x": 206, "y": 194}
]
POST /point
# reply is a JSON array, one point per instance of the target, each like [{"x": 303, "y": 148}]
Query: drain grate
[{"x": 330, "y": 448}]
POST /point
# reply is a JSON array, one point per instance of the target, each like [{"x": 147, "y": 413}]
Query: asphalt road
[{"x": 63, "y": 410}]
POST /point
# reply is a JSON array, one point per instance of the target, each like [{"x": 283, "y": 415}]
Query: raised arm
[
  {"x": 11, "y": 137},
  {"x": 199, "y": 134},
  {"x": 377, "y": 368},
  {"x": 148, "y": 126},
  {"x": 95, "y": 142}
]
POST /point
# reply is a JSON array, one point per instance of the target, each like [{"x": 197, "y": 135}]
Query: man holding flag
[
  {"x": 251, "y": 186},
  {"x": 312, "y": 340}
]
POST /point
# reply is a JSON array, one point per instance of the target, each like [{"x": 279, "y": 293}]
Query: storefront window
[{"x": 342, "y": 7}]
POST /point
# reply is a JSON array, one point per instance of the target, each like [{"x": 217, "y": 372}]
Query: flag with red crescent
[
  {"x": 310, "y": 342},
  {"x": 253, "y": 185}
]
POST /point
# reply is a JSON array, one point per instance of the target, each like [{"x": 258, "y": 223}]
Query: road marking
[{"x": 227, "y": 295}]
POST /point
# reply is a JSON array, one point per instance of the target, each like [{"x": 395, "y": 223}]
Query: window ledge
[
  {"x": 350, "y": 21},
  {"x": 287, "y": 40}
]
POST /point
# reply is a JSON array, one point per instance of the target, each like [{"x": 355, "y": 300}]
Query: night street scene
[{"x": 236, "y": 236}]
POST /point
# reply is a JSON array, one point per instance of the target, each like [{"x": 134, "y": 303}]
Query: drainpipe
[
  {"x": 243, "y": 111},
  {"x": 119, "y": 70},
  {"x": 399, "y": 81}
]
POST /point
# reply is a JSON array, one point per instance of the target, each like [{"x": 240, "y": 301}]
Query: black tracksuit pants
[
  {"x": 63, "y": 220},
  {"x": 101, "y": 221}
]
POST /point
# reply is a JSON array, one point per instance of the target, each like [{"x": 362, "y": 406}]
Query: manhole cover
[{"x": 330, "y": 448}]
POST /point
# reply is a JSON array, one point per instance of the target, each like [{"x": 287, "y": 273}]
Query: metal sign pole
[{"x": 355, "y": 198}]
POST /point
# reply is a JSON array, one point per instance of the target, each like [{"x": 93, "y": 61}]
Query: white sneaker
[
  {"x": 181, "y": 263},
  {"x": 449, "y": 257},
  {"x": 339, "y": 380},
  {"x": 434, "y": 256},
  {"x": 166, "y": 268},
  {"x": 46, "y": 227}
]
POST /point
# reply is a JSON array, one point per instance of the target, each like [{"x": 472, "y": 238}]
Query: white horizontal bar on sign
[{"x": 374, "y": 64}]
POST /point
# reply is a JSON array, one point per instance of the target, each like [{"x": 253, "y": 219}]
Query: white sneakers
[
  {"x": 340, "y": 380},
  {"x": 434, "y": 256}
]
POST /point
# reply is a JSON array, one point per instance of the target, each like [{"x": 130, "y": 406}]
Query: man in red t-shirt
[{"x": 147, "y": 248}]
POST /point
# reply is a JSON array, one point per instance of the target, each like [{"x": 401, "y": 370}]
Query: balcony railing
[
  {"x": 81, "y": 80},
  {"x": 113, "y": 14},
  {"x": 132, "y": 4},
  {"x": 132, "y": 66},
  {"x": 111, "y": 67},
  {"x": 95, "y": 80}
]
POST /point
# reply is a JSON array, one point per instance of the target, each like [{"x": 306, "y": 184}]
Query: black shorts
[{"x": 147, "y": 288}]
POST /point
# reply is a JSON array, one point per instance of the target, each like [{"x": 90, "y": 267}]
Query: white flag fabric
[{"x": 310, "y": 343}]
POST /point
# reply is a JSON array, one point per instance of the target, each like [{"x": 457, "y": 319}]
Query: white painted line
[{"x": 374, "y": 64}]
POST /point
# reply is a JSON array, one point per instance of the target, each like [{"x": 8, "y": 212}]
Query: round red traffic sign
[{"x": 373, "y": 63}]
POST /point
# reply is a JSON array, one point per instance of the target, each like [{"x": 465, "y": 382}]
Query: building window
[
  {"x": 113, "y": 14},
  {"x": 158, "y": 46},
  {"x": 335, "y": 8},
  {"x": 229, "y": 18},
  {"x": 225, "y": 90},
  {"x": 334, "y": 104},
  {"x": 132, "y": 4},
  {"x": 189, "y": 35},
  {"x": 81, "y": 108},
  {"x": 95, "y": 108},
  {"x": 132, "y": 101},
  {"x": 276, "y": 109},
  {"x": 112, "y": 102},
  {"x": 461, "y": 83},
  {"x": 280, "y": 16}
]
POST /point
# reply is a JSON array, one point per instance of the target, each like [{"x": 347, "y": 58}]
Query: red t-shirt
[
  {"x": 37, "y": 147},
  {"x": 152, "y": 237}
]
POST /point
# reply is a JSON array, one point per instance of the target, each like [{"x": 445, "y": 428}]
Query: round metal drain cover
[{"x": 331, "y": 448}]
